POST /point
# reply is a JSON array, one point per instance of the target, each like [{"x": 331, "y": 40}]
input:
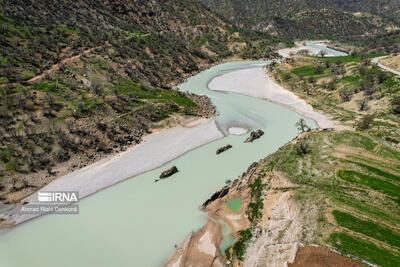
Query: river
[{"x": 138, "y": 222}]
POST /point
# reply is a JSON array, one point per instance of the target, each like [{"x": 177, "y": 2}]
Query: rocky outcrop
[
  {"x": 204, "y": 108},
  {"x": 223, "y": 149},
  {"x": 254, "y": 135},
  {"x": 226, "y": 189},
  {"x": 216, "y": 195},
  {"x": 171, "y": 171}
]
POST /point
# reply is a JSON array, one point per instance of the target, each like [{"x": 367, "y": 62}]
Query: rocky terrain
[
  {"x": 254, "y": 135},
  {"x": 169, "y": 172},
  {"x": 223, "y": 149}
]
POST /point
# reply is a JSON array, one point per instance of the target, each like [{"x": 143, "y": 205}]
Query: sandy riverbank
[
  {"x": 255, "y": 82},
  {"x": 155, "y": 150},
  {"x": 287, "y": 52}
]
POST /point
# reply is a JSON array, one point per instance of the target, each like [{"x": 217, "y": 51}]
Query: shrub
[
  {"x": 365, "y": 122},
  {"x": 302, "y": 148},
  {"x": 345, "y": 94}
]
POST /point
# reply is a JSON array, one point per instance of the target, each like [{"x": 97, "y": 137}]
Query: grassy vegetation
[
  {"x": 346, "y": 59},
  {"x": 351, "y": 156},
  {"x": 356, "y": 140},
  {"x": 389, "y": 152},
  {"x": 254, "y": 213},
  {"x": 255, "y": 207},
  {"x": 364, "y": 249},
  {"x": 239, "y": 248},
  {"x": 348, "y": 201},
  {"x": 155, "y": 95},
  {"x": 370, "y": 181},
  {"x": 369, "y": 161},
  {"x": 390, "y": 176},
  {"x": 348, "y": 88},
  {"x": 305, "y": 71},
  {"x": 367, "y": 228}
]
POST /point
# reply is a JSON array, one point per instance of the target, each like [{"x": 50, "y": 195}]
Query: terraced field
[
  {"x": 356, "y": 190},
  {"x": 345, "y": 183}
]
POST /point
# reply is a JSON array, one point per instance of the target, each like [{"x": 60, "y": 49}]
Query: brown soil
[
  {"x": 312, "y": 256},
  {"x": 54, "y": 68},
  {"x": 199, "y": 247}
]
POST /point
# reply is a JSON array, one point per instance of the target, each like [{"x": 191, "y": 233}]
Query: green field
[
  {"x": 367, "y": 228},
  {"x": 364, "y": 249}
]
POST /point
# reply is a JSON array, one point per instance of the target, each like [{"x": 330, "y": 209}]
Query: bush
[
  {"x": 345, "y": 94},
  {"x": 396, "y": 105},
  {"x": 239, "y": 248},
  {"x": 302, "y": 148},
  {"x": 365, "y": 122}
]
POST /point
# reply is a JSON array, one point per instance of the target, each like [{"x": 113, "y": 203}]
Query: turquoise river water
[{"x": 138, "y": 222}]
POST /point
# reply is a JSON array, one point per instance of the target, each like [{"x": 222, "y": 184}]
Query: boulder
[
  {"x": 254, "y": 135},
  {"x": 169, "y": 172},
  {"x": 223, "y": 149}
]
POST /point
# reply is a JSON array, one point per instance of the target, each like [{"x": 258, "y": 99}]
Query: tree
[
  {"x": 322, "y": 53},
  {"x": 303, "y": 52},
  {"x": 365, "y": 122},
  {"x": 331, "y": 85},
  {"x": 98, "y": 88},
  {"x": 319, "y": 69},
  {"x": 345, "y": 94},
  {"x": 396, "y": 105},
  {"x": 368, "y": 87},
  {"x": 382, "y": 76},
  {"x": 363, "y": 70},
  {"x": 365, "y": 60},
  {"x": 80, "y": 105},
  {"x": 363, "y": 104},
  {"x": 287, "y": 76},
  {"x": 302, "y": 125},
  {"x": 312, "y": 80},
  {"x": 302, "y": 148}
]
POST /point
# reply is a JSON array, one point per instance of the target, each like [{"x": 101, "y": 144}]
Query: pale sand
[
  {"x": 300, "y": 46},
  {"x": 237, "y": 130},
  {"x": 206, "y": 245},
  {"x": 155, "y": 150},
  {"x": 377, "y": 59},
  {"x": 255, "y": 82},
  {"x": 177, "y": 263}
]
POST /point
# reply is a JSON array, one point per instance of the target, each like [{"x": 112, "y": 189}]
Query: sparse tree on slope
[{"x": 302, "y": 125}]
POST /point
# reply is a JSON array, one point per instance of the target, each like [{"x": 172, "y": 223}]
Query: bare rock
[
  {"x": 221, "y": 193},
  {"x": 169, "y": 172},
  {"x": 223, "y": 149},
  {"x": 254, "y": 135}
]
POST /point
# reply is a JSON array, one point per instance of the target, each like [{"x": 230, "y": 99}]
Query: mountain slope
[
  {"x": 33, "y": 42},
  {"x": 79, "y": 79},
  {"x": 310, "y": 19}
]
